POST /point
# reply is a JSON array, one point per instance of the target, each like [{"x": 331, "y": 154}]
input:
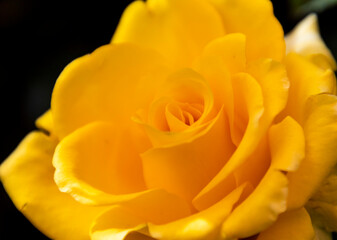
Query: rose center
[{"x": 187, "y": 113}]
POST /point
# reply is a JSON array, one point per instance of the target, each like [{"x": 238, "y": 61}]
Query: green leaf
[{"x": 303, "y": 7}]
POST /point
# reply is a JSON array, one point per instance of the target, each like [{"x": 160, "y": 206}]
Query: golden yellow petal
[
  {"x": 202, "y": 225},
  {"x": 110, "y": 84},
  {"x": 184, "y": 169},
  {"x": 320, "y": 130},
  {"x": 272, "y": 77},
  {"x": 98, "y": 159},
  {"x": 116, "y": 223},
  {"x": 231, "y": 50},
  {"x": 27, "y": 175},
  {"x": 261, "y": 208},
  {"x": 248, "y": 109},
  {"x": 305, "y": 40},
  {"x": 177, "y": 29},
  {"x": 306, "y": 79},
  {"x": 256, "y": 20},
  {"x": 287, "y": 145},
  {"x": 293, "y": 225}
]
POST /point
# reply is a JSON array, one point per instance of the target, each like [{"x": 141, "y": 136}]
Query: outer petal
[
  {"x": 117, "y": 223},
  {"x": 202, "y": 225},
  {"x": 260, "y": 209},
  {"x": 268, "y": 200},
  {"x": 110, "y": 84},
  {"x": 323, "y": 205},
  {"x": 287, "y": 145},
  {"x": 256, "y": 20},
  {"x": 177, "y": 29},
  {"x": 306, "y": 40},
  {"x": 27, "y": 176},
  {"x": 294, "y": 225},
  {"x": 320, "y": 131},
  {"x": 231, "y": 49},
  {"x": 101, "y": 155},
  {"x": 306, "y": 79},
  {"x": 98, "y": 164},
  {"x": 272, "y": 77}
]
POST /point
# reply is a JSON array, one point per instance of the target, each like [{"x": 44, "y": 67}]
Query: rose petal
[
  {"x": 320, "y": 129},
  {"x": 185, "y": 168},
  {"x": 260, "y": 209},
  {"x": 116, "y": 223},
  {"x": 287, "y": 145},
  {"x": 178, "y": 30},
  {"x": 101, "y": 155},
  {"x": 256, "y": 20},
  {"x": 202, "y": 225},
  {"x": 272, "y": 77},
  {"x": 306, "y": 40},
  {"x": 184, "y": 87},
  {"x": 268, "y": 200},
  {"x": 293, "y": 225},
  {"x": 248, "y": 107},
  {"x": 27, "y": 176},
  {"x": 231, "y": 49},
  {"x": 98, "y": 165},
  {"x": 306, "y": 79},
  {"x": 220, "y": 59},
  {"x": 110, "y": 84}
]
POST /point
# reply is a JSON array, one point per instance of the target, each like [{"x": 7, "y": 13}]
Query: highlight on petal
[
  {"x": 260, "y": 209},
  {"x": 99, "y": 165},
  {"x": 256, "y": 20},
  {"x": 116, "y": 223},
  {"x": 98, "y": 159},
  {"x": 306, "y": 79},
  {"x": 287, "y": 145},
  {"x": 320, "y": 130},
  {"x": 292, "y": 225},
  {"x": 305, "y": 40},
  {"x": 201, "y": 225},
  {"x": 27, "y": 175},
  {"x": 177, "y": 29},
  {"x": 110, "y": 84},
  {"x": 273, "y": 79}
]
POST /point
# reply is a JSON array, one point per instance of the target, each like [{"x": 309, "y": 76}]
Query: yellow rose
[{"x": 193, "y": 123}]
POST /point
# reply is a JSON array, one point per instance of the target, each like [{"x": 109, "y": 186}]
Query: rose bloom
[{"x": 198, "y": 121}]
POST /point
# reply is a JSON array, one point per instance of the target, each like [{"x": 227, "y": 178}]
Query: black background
[{"x": 38, "y": 38}]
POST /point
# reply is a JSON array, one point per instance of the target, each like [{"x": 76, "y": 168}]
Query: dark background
[{"x": 38, "y": 38}]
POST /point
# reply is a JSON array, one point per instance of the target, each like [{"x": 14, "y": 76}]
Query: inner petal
[{"x": 185, "y": 99}]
